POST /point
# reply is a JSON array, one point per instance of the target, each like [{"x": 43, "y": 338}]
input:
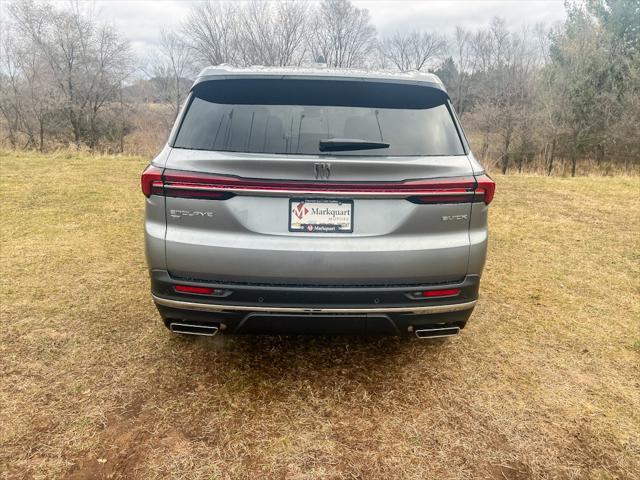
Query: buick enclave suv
[{"x": 316, "y": 201}]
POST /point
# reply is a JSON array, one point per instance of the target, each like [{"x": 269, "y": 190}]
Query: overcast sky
[{"x": 141, "y": 20}]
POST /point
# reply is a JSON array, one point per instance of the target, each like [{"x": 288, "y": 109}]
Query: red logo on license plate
[{"x": 300, "y": 210}]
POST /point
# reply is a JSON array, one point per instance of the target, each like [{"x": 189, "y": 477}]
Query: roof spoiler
[{"x": 416, "y": 78}]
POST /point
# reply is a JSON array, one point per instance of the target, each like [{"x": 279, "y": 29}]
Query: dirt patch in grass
[{"x": 543, "y": 383}]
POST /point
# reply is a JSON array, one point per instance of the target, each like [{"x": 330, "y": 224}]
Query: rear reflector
[
  {"x": 450, "y": 292},
  {"x": 192, "y": 289}
]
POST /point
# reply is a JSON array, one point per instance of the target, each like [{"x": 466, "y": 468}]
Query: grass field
[{"x": 543, "y": 383}]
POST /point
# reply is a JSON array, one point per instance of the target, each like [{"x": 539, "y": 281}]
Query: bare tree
[
  {"x": 493, "y": 80},
  {"x": 10, "y": 96},
  {"x": 109, "y": 65},
  {"x": 82, "y": 59},
  {"x": 412, "y": 50},
  {"x": 212, "y": 31},
  {"x": 40, "y": 99},
  {"x": 172, "y": 66},
  {"x": 464, "y": 62},
  {"x": 550, "y": 101},
  {"x": 342, "y": 34},
  {"x": 291, "y": 32},
  {"x": 509, "y": 86},
  {"x": 27, "y": 94},
  {"x": 256, "y": 32}
]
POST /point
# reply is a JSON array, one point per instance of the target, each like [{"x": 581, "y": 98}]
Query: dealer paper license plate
[{"x": 320, "y": 216}]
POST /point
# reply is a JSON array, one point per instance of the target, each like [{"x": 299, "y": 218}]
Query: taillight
[
  {"x": 151, "y": 181},
  {"x": 485, "y": 189},
  {"x": 183, "y": 184},
  {"x": 194, "y": 185},
  {"x": 452, "y": 190}
]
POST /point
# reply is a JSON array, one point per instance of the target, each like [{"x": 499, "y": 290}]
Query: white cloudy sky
[{"x": 141, "y": 20}]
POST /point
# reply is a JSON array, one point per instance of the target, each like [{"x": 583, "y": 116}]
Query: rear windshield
[{"x": 294, "y": 116}]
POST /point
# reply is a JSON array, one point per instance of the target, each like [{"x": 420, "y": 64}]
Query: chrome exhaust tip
[
  {"x": 437, "y": 332},
  {"x": 194, "y": 329}
]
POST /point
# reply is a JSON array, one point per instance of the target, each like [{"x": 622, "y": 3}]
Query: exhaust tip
[
  {"x": 194, "y": 329},
  {"x": 437, "y": 332}
]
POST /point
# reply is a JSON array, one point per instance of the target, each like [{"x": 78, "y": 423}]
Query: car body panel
[{"x": 247, "y": 236}]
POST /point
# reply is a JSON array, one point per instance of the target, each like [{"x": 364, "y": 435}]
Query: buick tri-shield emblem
[{"x": 322, "y": 170}]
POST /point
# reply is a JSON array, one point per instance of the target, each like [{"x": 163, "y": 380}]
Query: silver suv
[{"x": 316, "y": 201}]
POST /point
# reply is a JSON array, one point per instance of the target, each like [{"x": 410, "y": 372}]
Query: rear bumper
[
  {"x": 221, "y": 308},
  {"x": 299, "y": 309}
]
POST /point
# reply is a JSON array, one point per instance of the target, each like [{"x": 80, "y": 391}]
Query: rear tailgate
[{"x": 247, "y": 237}]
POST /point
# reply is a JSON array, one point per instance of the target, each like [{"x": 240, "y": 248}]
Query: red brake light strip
[{"x": 175, "y": 183}]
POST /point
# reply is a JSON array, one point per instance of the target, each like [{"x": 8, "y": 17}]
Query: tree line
[{"x": 561, "y": 99}]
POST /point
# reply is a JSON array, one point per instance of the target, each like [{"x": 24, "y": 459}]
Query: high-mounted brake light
[
  {"x": 151, "y": 180},
  {"x": 485, "y": 190}
]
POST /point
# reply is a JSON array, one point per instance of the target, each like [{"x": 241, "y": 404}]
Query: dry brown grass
[{"x": 543, "y": 383}]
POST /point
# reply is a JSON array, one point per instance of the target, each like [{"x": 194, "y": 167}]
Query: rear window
[{"x": 293, "y": 116}]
